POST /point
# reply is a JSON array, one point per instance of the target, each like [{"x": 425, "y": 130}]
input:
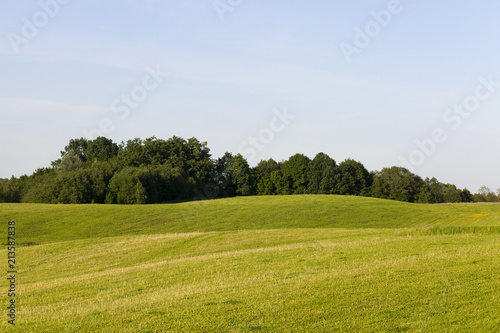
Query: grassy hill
[
  {"x": 257, "y": 264},
  {"x": 40, "y": 223}
]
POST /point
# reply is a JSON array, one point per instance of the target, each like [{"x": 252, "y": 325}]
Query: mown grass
[
  {"x": 38, "y": 223},
  {"x": 272, "y": 264}
]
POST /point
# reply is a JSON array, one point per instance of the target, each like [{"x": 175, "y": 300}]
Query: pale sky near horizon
[{"x": 406, "y": 83}]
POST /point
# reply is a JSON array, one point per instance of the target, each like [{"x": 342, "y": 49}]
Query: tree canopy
[{"x": 155, "y": 171}]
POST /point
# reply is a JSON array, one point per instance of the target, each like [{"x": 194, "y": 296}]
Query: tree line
[{"x": 157, "y": 171}]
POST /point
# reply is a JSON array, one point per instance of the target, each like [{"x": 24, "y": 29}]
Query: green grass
[
  {"x": 41, "y": 224},
  {"x": 257, "y": 264}
]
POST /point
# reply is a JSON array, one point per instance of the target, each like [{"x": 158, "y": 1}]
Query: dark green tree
[
  {"x": 466, "y": 196},
  {"x": 451, "y": 193},
  {"x": 266, "y": 186},
  {"x": 78, "y": 147},
  {"x": 75, "y": 187},
  {"x": 295, "y": 170},
  {"x": 397, "y": 183},
  {"x": 10, "y": 190},
  {"x": 281, "y": 183},
  {"x": 101, "y": 149},
  {"x": 431, "y": 192},
  {"x": 123, "y": 185},
  {"x": 321, "y": 174},
  {"x": 352, "y": 178},
  {"x": 262, "y": 172},
  {"x": 265, "y": 168},
  {"x": 42, "y": 187},
  {"x": 234, "y": 175}
]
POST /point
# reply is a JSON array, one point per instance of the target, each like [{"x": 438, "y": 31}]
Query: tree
[
  {"x": 173, "y": 185},
  {"x": 43, "y": 187},
  {"x": 199, "y": 166},
  {"x": 431, "y": 191},
  {"x": 69, "y": 162},
  {"x": 100, "y": 173},
  {"x": 101, "y": 149},
  {"x": 466, "y": 196},
  {"x": 10, "y": 190},
  {"x": 484, "y": 190},
  {"x": 485, "y": 194},
  {"x": 78, "y": 147},
  {"x": 234, "y": 175},
  {"x": 295, "y": 171},
  {"x": 262, "y": 173},
  {"x": 141, "y": 196},
  {"x": 265, "y": 168},
  {"x": 191, "y": 156},
  {"x": 321, "y": 174},
  {"x": 397, "y": 183},
  {"x": 155, "y": 170},
  {"x": 281, "y": 183},
  {"x": 131, "y": 154},
  {"x": 123, "y": 185},
  {"x": 147, "y": 184},
  {"x": 110, "y": 198},
  {"x": 75, "y": 187},
  {"x": 265, "y": 186},
  {"x": 451, "y": 193},
  {"x": 352, "y": 178}
]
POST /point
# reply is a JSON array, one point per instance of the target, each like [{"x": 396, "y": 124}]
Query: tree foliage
[
  {"x": 155, "y": 170},
  {"x": 352, "y": 178},
  {"x": 234, "y": 176},
  {"x": 321, "y": 174},
  {"x": 295, "y": 172},
  {"x": 396, "y": 183}
]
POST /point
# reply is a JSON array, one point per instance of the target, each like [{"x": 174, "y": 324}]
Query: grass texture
[{"x": 256, "y": 264}]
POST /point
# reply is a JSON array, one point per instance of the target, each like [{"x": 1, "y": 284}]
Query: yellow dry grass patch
[{"x": 481, "y": 214}]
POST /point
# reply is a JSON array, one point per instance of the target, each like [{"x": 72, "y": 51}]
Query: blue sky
[{"x": 234, "y": 65}]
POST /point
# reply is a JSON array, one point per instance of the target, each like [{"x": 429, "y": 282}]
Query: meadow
[{"x": 256, "y": 264}]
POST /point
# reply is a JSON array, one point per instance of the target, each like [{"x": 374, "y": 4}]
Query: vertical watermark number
[{"x": 11, "y": 271}]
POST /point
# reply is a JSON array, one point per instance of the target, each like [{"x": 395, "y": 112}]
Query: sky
[{"x": 387, "y": 83}]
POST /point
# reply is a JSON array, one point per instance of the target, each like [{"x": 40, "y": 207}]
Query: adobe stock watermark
[
  {"x": 363, "y": 37},
  {"x": 30, "y": 28},
  {"x": 453, "y": 118},
  {"x": 123, "y": 105},
  {"x": 224, "y": 6},
  {"x": 253, "y": 144}
]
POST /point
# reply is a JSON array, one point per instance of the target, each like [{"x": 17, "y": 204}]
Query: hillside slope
[
  {"x": 39, "y": 223},
  {"x": 266, "y": 264}
]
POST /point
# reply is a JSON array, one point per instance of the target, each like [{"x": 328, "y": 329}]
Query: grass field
[{"x": 256, "y": 264}]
